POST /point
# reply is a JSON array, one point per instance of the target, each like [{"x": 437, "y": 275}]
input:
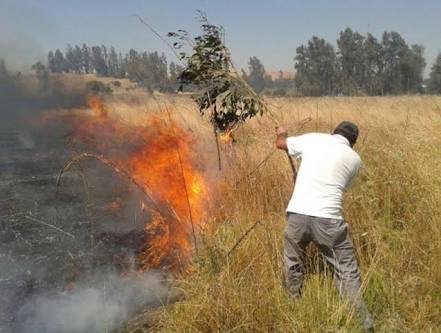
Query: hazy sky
[{"x": 270, "y": 30}]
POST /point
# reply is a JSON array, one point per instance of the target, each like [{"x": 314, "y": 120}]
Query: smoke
[
  {"x": 21, "y": 26},
  {"x": 21, "y": 52},
  {"x": 37, "y": 262},
  {"x": 49, "y": 281},
  {"x": 99, "y": 304},
  {"x": 24, "y": 97},
  {"x": 24, "y": 27}
]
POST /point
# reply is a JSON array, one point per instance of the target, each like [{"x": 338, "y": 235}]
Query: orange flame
[
  {"x": 97, "y": 105},
  {"x": 164, "y": 164},
  {"x": 226, "y": 137}
]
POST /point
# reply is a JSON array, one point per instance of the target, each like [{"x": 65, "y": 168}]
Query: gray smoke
[
  {"x": 20, "y": 46},
  {"x": 99, "y": 304},
  {"x": 38, "y": 263}
]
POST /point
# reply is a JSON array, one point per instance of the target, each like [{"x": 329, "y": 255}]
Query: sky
[{"x": 270, "y": 29}]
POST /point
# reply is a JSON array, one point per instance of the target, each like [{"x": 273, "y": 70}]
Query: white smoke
[{"x": 98, "y": 305}]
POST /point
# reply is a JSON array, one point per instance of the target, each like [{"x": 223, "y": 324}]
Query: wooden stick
[
  {"x": 157, "y": 34},
  {"x": 241, "y": 239},
  {"x": 110, "y": 164},
  {"x": 291, "y": 162},
  {"x": 266, "y": 158}
]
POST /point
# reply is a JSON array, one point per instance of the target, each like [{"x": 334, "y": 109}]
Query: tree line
[
  {"x": 261, "y": 82},
  {"x": 149, "y": 69},
  {"x": 358, "y": 65}
]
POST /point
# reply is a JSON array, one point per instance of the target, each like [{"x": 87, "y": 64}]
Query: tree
[
  {"x": 352, "y": 61},
  {"x": 394, "y": 51},
  {"x": 122, "y": 69},
  {"x": 105, "y": 56},
  {"x": 113, "y": 64},
  {"x": 403, "y": 66},
  {"x": 77, "y": 59},
  {"x": 86, "y": 60},
  {"x": 42, "y": 75},
  {"x": 316, "y": 68},
  {"x": 148, "y": 69},
  {"x": 174, "y": 72},
  {"x": 70, "y": 58},
  {"x": 59, "y": 62},
  {"x": 51, "y": 62},
  {"x": 132, "y": 61},
  {"x": 155, "y": 70},
  {"x": 282, "y": 85},
  {"x": 256, "y": 77},
  {"x": 435, "y": 76},
  {"x": 412, "y": 68},
  {"x": 374, "y": 66},
  {"x": 98, "y": 61},
  {"x": 9, "y": 87},
  {"x": 4, "y": 74},
  {"x": 73, "y": 56}
]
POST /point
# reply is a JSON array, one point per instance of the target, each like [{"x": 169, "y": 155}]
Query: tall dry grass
[{"x": 393, "y": 209}]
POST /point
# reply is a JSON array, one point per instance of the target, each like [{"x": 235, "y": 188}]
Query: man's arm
[
  {"x": 293, "y": 145},
  {"x": 281, "y": 135},
  {"x": 281, "y": 143}
]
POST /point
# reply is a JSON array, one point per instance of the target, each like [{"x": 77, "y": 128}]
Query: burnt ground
[{"x": 49, "y": 243}]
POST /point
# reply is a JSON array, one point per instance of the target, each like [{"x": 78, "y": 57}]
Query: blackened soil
[{"x": 49, "y": 241}]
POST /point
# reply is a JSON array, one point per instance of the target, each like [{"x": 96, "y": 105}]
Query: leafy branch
[{"x": 222, "y": 93}]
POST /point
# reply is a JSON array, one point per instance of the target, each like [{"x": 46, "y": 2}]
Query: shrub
[{"x": 97, "y": 87}]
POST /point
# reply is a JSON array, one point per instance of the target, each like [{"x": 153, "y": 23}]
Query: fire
[
  {"x": 162, "y": 161},
  {"x": 97, "y": 105},
  {"x": 227, "y": 137},
  {"x": 164, "y": 165}
]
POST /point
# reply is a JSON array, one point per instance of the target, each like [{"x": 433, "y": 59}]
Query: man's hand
[
  {"x": 281, "y": 131},
  {"x": 281, "y": 134}
]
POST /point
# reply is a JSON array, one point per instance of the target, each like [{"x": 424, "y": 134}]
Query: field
[
  {"x": 235, "y": 280},
  {"x": 393, "y": 209}
]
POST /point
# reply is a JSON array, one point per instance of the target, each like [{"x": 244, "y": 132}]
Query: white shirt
[{"x": 328, "y": 166}]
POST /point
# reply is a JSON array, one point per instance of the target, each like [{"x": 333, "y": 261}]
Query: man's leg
[
  {"x": 334, "y": 242},
  {"x": 296, "y": 238}
]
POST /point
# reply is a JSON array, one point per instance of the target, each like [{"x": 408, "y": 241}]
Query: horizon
[{"x": 33, "y": 28}]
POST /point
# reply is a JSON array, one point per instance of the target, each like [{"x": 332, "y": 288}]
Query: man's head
[{"x": 348, "y": 130}]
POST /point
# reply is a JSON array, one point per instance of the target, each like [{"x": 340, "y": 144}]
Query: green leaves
[{"x": 221, "y": 91}]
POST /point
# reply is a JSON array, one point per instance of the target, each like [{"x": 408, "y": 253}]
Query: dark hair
[{"x": 348, "y": 130}]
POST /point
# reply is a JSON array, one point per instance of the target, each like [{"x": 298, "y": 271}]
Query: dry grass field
[{"x": 393, "y": 209}]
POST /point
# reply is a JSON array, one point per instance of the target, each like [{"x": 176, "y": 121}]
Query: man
[{"x": 315, "y": 211}]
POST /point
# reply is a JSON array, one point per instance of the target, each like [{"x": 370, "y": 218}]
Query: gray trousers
[{"x": 333, "y": 240}]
